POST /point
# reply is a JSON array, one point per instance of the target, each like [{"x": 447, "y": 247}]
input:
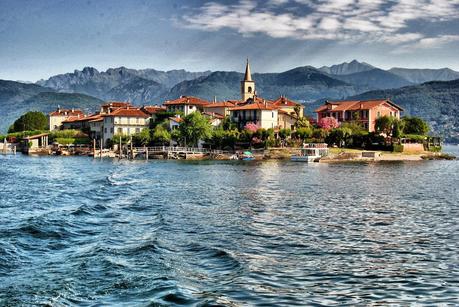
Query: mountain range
[{"x": 87, "y": 88}]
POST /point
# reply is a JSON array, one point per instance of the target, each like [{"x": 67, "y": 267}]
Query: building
[
  {"x": 259, "y": 112},
  {"x": 286, "y": 120},
  {"x": 174, "y": 122},
  {"x": 111, "y": 106},
  {"x": 56, "y": 118},
  {"x": 363, "y": 111},
  {"x": 124, "y": 121},
  {"x": 247, "y": 85},
  {"x": 287, "y": 105},
  {"x": 222, "y": 108},
  {"x": 186, "y": 105},
  {"x": 215, "y": 119},
  {"x": 153, "y": 110}
]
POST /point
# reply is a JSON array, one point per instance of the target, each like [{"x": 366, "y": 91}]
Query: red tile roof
[
  {"x": 128, "y": 112},
  {"x": 255, "y": 106},
  {"x": 221, "y": 104},
  {"x": 117, "y": 104},
  {"x": 284, "y": 102},
  {"x": 214, "y": 115},
  {"x": 187, "y": 100},
  {"x": 153, "y": 109},
  {"x": 353, "y": 105},
  {"x": 66, "y": 112},
  {"x": 176, "y": 119},
  {"x": 92, "y": 117}
]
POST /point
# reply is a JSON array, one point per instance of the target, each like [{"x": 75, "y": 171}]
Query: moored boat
[
  {"x": 310, "y": 153},
  {"x": 247, "y": 156}
]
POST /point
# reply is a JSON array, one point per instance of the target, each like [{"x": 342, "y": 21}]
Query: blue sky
[{"x": 42, "y": 38}]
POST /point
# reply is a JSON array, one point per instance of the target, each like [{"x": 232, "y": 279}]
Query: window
[
  {"x": 137, "y": 120},
  {"x": 105, "y": 130},
  {"x": 249, "y": 89},
  {"x": 272, "y": 114},
  {"x": 379, "y": 114},
  {"x": 111, "y": 130},
  {"x": 120, "y": 130},
  {"x": 137, "y": 130}
]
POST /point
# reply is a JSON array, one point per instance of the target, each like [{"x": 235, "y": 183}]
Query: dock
[{"x": 169, "y": 152}]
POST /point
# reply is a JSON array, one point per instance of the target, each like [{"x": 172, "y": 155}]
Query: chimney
[
  {"x": 73, "y": 110},
  {"x": 215, "y": 99}
]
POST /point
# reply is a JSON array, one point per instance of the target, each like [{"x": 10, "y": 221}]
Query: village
[{"x": 247, "y": 129}]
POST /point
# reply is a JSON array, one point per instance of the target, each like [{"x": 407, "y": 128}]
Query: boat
[
  {"x": 310, "y": 153},
  {"x": 247, "y": 156}
]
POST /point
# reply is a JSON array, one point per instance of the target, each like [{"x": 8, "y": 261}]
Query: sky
[{"x": 39, "y": 39}]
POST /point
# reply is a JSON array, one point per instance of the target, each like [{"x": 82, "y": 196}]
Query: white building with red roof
[
  {"x": 186, "y": 105},
  {"x": 56, "y": 118},
  {"x": 124, "y": 121},
  {"x": 259, "y": 112}
]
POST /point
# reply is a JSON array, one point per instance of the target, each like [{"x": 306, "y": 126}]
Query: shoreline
[{"x": 337, "y": 155}]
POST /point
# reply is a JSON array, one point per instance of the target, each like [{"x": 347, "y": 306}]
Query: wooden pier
[{"x": 168, "y": 152}]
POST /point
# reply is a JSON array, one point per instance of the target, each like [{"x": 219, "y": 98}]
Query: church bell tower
[{"x": 247, "y": 85}]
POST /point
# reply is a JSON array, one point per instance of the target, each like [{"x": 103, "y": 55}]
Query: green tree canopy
[
  {"x": 161, "y": 135},
  {"x": 195, "y": 127},
  {"x": 142, "y": 138},
  {"x": 415, "y": 125},
  {"x": 302, "y": 122},
  {"x": 30, "y": 121},
  {"x": 385, "y": 124}
]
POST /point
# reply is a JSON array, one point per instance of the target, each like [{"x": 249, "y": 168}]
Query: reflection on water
[{"x": 81, "y": 231}]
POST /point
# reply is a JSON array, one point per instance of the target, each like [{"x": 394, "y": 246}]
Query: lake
[{"x": 78, "y": 231}]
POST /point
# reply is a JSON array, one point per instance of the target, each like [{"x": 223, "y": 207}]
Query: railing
[{"x": 164, "y": 149}]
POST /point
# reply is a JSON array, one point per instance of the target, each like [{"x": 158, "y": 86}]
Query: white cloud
[{"x": 341, "y": 20}]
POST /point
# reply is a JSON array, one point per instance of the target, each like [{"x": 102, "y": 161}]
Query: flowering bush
[
  {"x": 328, "y": 123},
  {"x": 252, "y": 127}
]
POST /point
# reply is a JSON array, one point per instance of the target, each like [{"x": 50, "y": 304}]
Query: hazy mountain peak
[
  {"x": 425, "y": 75},
  {"x": 347, "y": 68}
]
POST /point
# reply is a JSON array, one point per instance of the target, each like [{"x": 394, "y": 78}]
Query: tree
[
  {"x": 284, "y": 134},
  {"x": 328, "y": 123},
  {"x": 338, "y": 136},
  {"x": 385, "y": 124},
  {"x": 142, "y": 138},
  {"x": 228, "y": 124},
  {"x": 231, "y": 137},
  {"x": 302, "y": 122},
  {"x": 303, "y": 133},
  {"x": 218, "y": 137},
  {"x": 161, "y": 135},
  {"x": 30, "y": 121},
  {"x": 415, "y": 125},
  {"x": 397, "y": 130},
  {"x": 195, "y": 127},
  {"x": 319, "y": 133}
]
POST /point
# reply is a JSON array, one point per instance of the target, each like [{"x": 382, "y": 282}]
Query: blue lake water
[{"x": 78, "y": 231}]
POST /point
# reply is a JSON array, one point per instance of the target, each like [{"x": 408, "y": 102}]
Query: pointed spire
[{"x": 248, "y": 75}]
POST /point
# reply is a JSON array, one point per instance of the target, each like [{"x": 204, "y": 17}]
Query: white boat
[{"x": 310, "y": 153}]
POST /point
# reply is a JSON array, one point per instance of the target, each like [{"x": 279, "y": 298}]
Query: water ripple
[{"x": 76, "y": 231}]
